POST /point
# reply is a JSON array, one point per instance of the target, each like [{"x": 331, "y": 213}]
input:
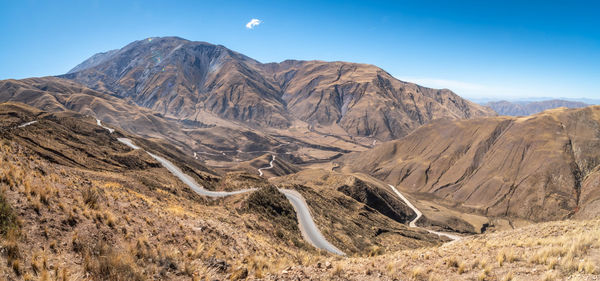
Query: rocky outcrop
[{"x": 379, "y": 200}]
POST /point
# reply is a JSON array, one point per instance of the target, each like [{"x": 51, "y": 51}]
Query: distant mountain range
[
  {"x": 531, "y": 107},
  {"x": 483, "y": 101}
]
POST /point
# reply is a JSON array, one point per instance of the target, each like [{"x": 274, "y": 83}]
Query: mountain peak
[{"x": 188, "y": 79}]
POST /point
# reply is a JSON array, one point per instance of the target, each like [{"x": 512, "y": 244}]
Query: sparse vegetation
[
  {"x": 470, "y": 258},
  {"x": 90, "y": 197},
  {"x": 108, "y": 225},
  {"x": 419, "y": 273},
  {"x": 9, "y": 232},
  {"x": 8, "y": 219},
  {"x": 508, "y": 276},
  {"x": 106, "y": 263},
  {"x": 96, "y": 232},
  {"x": 272, "y": 205}
]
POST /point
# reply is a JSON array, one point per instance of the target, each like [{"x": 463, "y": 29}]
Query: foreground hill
[
  {"x": 528, "y": 108},
  {"x": 197, "y": 81},
  {"x": 559, "y": 250},
  {"x": 542, "y": 167},
  {"x": 76, "y": 203}
]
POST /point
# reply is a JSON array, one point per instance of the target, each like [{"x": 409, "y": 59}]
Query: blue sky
[{"x": 497, "y": 49}]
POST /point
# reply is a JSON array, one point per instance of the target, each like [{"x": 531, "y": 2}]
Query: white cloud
[{"x": 252, "y": 23}]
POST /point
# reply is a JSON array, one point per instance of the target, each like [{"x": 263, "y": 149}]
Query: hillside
[
  {"x": 559, "y": 250},
  {"x": 532, "y": 107},
  {"x": 542, "y": 167},
  {"x": 76, "y": 203},
  {"x": 197, "y": 81},
  {"x": 222, "y": 144}
]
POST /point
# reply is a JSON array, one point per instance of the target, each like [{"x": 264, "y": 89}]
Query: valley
[{"x": 206, "y": 164}]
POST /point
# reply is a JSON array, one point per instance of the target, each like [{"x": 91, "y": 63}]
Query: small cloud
[{"x": 252, "y": 23}]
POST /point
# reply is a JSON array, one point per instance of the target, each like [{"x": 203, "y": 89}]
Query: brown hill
[
  {"x": 57, "y": 95},
  {"x": 221, "y": 143},
  {"x": 194, "y": 80},
  {"x": 541, "y": 167}
]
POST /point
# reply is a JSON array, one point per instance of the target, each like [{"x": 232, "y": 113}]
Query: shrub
[
  {"x": 105, "y": 263},
  {"x": 508, "y": 276},
  {"x": 482, "y": 276},
  {"x": 418, "y": 273},
  {"x": 8, "y": 219},
  {"x": 452, "y": 262},
  {"x": 90, "y": 197},
  {"x": 501, "y": 258}
]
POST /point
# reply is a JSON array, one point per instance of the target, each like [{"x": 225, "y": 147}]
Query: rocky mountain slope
[
  {"x": 541, "y": 167},
  {"x": 528, "y": 108},
  {"x": 224, "y": 144},
  {"x": 196, "y": 80}
]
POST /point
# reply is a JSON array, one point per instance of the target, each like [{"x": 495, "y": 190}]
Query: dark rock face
[
  {"x": 528, "y": 108},
  {"x": 379, "y": 200},
  {"x": 192, "y": 80}
]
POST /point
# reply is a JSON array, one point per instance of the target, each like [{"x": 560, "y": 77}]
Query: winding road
[
  {"x": 99, "y": 123},
  {"x": 310, "y": 231},
  {"x": 189, "y": 181},
  {"x": 413, "y": 223},
  {"x": 308, "y": 228},
  {"x": 128, "y": 142},
  {"x": 260, "y": 173},
  {"x": 27, "y": 124}
]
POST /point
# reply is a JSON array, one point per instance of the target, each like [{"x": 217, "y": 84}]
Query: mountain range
[
  {"x": 530, "y": 107},
  {"x": 193, "y": 80},
  {"x": 173, "y": 159}
]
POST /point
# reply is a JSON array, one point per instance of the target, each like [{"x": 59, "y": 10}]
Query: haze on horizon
[{"x": 479, "y": 49}]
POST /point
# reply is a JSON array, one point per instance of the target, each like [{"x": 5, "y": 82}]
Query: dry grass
[
  {"x": 146, "y": 234},
  {"x": 482, "y": 276},
  {"x": 10, "y": 233},
  {"x": 550, "y": 276},
  {"x": 418, "y": 273},
  {"x": 107, "y": 264},
  {"x": 90, "y": 197},
  {"x": 110, "y": 226},
  {"x": 562, "y": 248},
  {"x": 501, "y": 257}
]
